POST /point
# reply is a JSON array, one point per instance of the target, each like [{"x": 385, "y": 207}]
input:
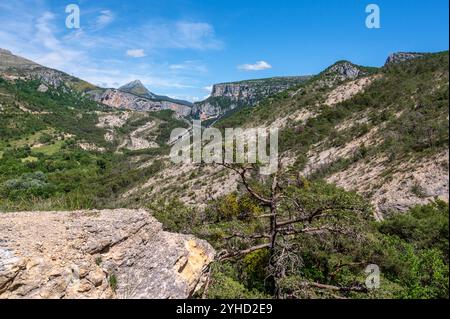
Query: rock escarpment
[
  {"x": 123, "y": 100},
  {"x": 227, "y": 96},
  {"x": 402, "y": 57},
  {"x": 97, "y": 254}
]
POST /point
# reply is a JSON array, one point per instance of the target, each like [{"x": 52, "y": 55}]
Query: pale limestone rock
[
  {"x": 77, "y": 254},
  {"x": 42, "y": 88},
  {"x": 402, "y": 57},
  {"x": 228, "y": 96},
  {"x": 123, "y": 100}
]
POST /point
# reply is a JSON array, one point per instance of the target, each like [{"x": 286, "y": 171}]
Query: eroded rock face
[
  {"x": 402, "y": 57},
  {"x": 227, "y": 96},
  {"x": 343, "y": 71},
  {"x": 118, "y": 99},
  {"x": 97, "y": 254}
]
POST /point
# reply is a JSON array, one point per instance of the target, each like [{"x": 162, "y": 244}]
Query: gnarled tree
[{"x": 289, "y": 216}]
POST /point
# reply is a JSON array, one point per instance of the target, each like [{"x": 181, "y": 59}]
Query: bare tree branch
[
  {"x": 313, "y": 230},
  {"x": 356, "y": 287},
  {"x": 243, "y": 252},
  {"x": 238, "y": 235},
  {"x": 242, "y": 173}
]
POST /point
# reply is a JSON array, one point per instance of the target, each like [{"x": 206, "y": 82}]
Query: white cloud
[
  {"x": 177, "y": 67},
  {"x": 104, "y": 19},
  {"x": 208, "y": 89},
  {"x": 137, "y": 53},
  {"x": 55, "y": 54},
  {"x": 258, "y": 66},
  {"x": 39, "y": 35},
  {"x": 180, "y": 35},
  {"x": 189, "y": 98},
  {"x": 192, "y": 66}
]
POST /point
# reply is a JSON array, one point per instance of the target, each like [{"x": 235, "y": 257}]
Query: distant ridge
[{"x": 137, "y": 88}]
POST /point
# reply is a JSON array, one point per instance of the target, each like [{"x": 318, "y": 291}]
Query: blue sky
[{"x": 181, "y": 47}]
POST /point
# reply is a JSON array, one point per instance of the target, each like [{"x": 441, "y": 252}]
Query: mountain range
[{"x": 135, "y": 96}]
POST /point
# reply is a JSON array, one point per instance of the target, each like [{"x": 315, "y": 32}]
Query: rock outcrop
[
  {"x": 402, "y": 57},
  {"x": 340, "y": 72},
  {"x": 97, "y": 254},
  {"x": 346, "y": 70}
]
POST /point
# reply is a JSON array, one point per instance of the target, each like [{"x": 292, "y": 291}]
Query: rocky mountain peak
[
  {"x": 402, "y": 57},
  {"x": 345, "y": 69},
  {"x": 136, "y": 87}
]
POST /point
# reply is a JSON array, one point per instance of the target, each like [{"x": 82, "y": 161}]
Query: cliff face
[
  {"x": 97, "y": 254},
  {"x": 402, "y": 57},
  {"x": 122, "y": 100},
  {"x": 227, "y": 96}
]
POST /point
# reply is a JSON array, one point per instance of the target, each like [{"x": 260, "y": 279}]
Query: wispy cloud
[
  {"x": 189, "y": 66},
  {"x": 181, "y": 35},
  {"x": 189, "y": 98},
  {"x": 55, "y": 53},
  {"x": 258, "y": 66},
  {"x": 97, "y": 52},
  {"x": 137, "y": 53},
  {"x": 208, "y": 88},
  {"x": 104, "y": 19}
]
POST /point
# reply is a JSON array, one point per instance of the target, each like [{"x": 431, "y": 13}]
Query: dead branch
[
  {"x": 313, "y": 230},
  {"x": 227, "y": 255},
  {"x": 356, "y": 288},
  {"x": 242, "y": 173},
  {"x": 239, "y": 235}
]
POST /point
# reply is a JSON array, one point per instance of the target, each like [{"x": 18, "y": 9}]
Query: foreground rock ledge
[{"x": 97, "y": 254}]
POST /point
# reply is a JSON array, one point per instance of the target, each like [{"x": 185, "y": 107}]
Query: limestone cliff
[
  {"x": 228, "y": 96},
  {"x": 402, "y": 57},
  {"x": 123, "y": 100}
]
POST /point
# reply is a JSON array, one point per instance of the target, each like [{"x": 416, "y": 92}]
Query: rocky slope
[
  {"x": 97, "y": 254},
  {"x": 228, "y": 96},
  {"x": 342, "y": 71},
  {"x": 13, "y": 67},
  {"x": 10, "y": 61}
]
